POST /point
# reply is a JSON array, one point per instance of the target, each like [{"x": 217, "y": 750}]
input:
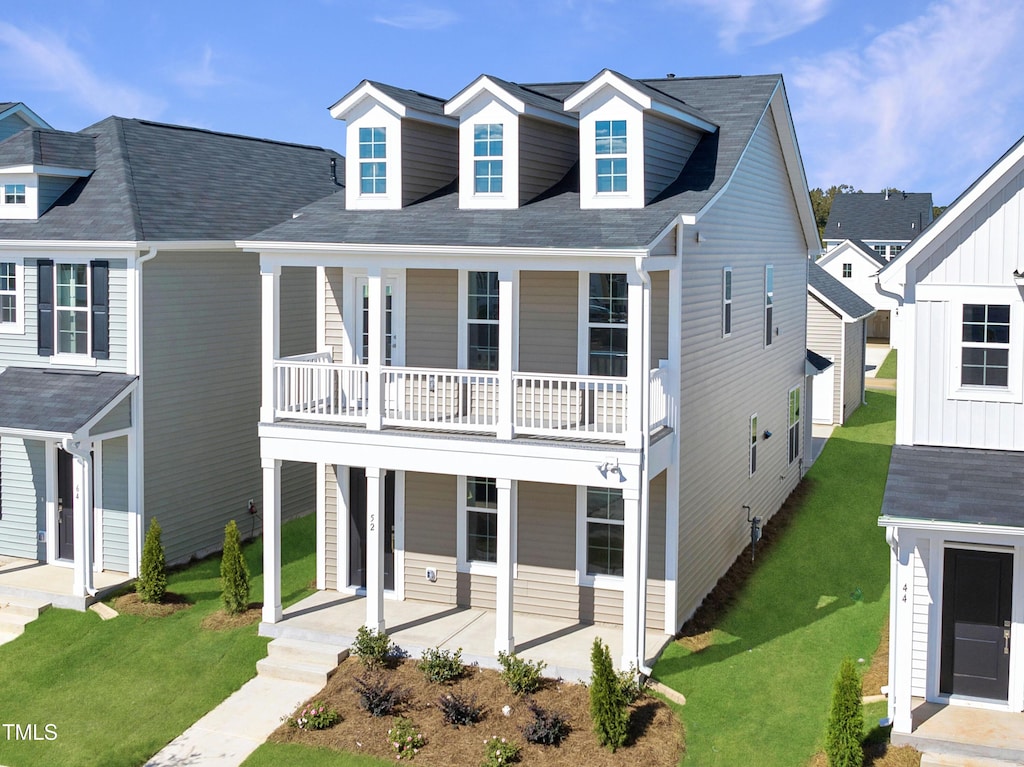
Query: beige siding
[
  {"x": 430, "y": 511},
  {"x": 659, "y": 317},
  {"x": 853, "y": 368},
  {"x": 430, "y": 159},
  {"x": 547, "y": 322},
  {"x": 825, "y": 336},
  {"x": 546, "y": 152},
  {"x": 546, "y": 551},
  {"x": 298, "y": 310},
  {"x": 331, "y": 527},
  {"x": 656, "y": 554},
  {"x": 600, "y": 606},
  {"x": 432, "y": 322},
  {"x": 334, "y": 325},
  {"x": 667, "y": 147}
]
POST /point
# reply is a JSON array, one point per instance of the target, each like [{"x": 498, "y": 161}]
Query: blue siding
[
  {"x": 22, "y": 495},
  {"x": 115, "y": 504}
]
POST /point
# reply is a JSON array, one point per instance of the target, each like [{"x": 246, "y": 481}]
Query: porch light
[{"x": 1018, "y": 277}]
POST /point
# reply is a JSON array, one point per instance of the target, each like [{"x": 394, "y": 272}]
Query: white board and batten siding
[
  {"x": 430, "y": 159},
  {"x": 726, "y": 380},
  {"x": 667, "y": 147},
  {"x": 923, "y": 605},
  {"x": 115, "y": 512},
  {"x": 546, "y": 152},
  {"x": 22, "y": 493},
  {"x": 825, "y": 336}
]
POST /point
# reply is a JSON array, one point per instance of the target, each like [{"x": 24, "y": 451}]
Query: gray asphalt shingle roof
[
  {"x": 37, "y": 146},
  {"x": 837, "y": 293},
  {"x": 55, "y": 401},
  {"x": 526, "y": 95},
  {"x": 424, "y": 102},
  {"x": 870, "y": 216},
  {"x": 962, "y": 485},
  {"x": 555, "y": 219}
]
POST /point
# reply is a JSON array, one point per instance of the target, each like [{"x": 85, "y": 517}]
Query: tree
[
  {"x": 234, "y": 573},
  {"x": 608, "y": 708},
  {"x": 821, "y": 203},
  {"x": 845, "y": 720},
  {"x": 151, "y": 584}
]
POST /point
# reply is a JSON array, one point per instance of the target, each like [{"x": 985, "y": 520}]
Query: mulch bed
[
  {"x": 130, "y": 604},
  {"x": 222, "y": 621},
  {"x": 656, "y": 736}
]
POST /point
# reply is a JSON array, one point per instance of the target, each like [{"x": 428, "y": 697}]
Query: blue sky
[{"x": 921, "y": 95}]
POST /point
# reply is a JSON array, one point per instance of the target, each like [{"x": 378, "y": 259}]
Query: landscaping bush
[
  {"x": 548, "y": 728},
  {"x": 845, "y": 719},
  {"x": 314, "y": 716},
  {"x": 458, "y": 709},
  {"x": 378, "y": 696},
  {"x": 630, "y": 685},
  {"x": 608, "y": 708},
  {"x": 521, "y": 676},
  {"x": 151, "y": 584},
  {"x": 442, "y": 666},
  {"x": 234, "y": 573},
  {"x": 374, "y": 648},
  {"x": 500, "y": 751},
  {"x": 405, "y": 738}
]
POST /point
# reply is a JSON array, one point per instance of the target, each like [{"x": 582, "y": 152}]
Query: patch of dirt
[
  {"x": 656, "y": 736},
  {"x": 877, "y": 674},
  {"x": 222, "y": 621},
  {"x": 130, "y": 604},
  {"x": 879, "y": 755}
]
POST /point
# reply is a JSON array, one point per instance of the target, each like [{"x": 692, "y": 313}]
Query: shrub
[
  {"x": 405, "y": 738},
  {"x": 521, "y": 676},
  {"x": 441, "y": 666},
  {"x": 234, "y": 573},
  {"x": 845, "y": 719},
  {"x": 378, "y": 696},
  {"x": 548, "y": 728},
  {"x": 315, "y": 716},
  {"x": 500, "y": 751},
  {"x": 374, "y": 648},
  {"x": 458, "y": 709},
  {"x": 152, "y": 582},
  {"x": 608, "y": 708},
  {"x": 629, "y": 684}
]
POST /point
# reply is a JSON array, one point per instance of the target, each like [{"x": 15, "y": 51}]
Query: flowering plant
[
  {"x": 314, "y": 716},
  {"x": 500, "y": 751},
  {"x": 405, "y": 738}
]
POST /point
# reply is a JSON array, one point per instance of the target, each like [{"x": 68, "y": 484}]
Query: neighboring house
[
  {"x": 857, "y": 265},
  {"x": 129, "y": 336},
  {"x": 15, "y": 117},
  {"x": 952, "y": 507},
  {"x": 558, "y": 324},
  {"x": 836, "y": 329}
]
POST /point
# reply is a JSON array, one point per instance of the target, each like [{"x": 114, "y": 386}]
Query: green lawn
[
  {"x": 295, "y": 755},
  {"x": 117, "y": 691},
  {"x": 888, "y": 367},
  {"x": 759, "y": 694}
]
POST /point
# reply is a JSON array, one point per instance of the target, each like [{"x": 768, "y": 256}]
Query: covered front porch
[
  {"x": 962, "y": 733},
  {"x": 53, "y": 584},
  {"x": 334, "y": 617}
]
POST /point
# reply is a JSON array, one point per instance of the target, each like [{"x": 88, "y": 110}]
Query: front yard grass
[
  {"x": 117, "y": 691},
  {"x": 758, "y": 685},
  {"x": 888, "y": 367}
]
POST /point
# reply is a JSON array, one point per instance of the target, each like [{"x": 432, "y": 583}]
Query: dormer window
[
  {"x": 488, "y": 142},
  {"x": 14, "y": 194},
  {"x": 372, "y": 166},
  {"x": 610, "y": 146}
]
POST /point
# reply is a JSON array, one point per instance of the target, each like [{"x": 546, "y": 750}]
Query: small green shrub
[
  {"x": 630, "y": 685},
  {"x": 405, "y": 738},
  {"x": 152, "y": 581},
  {"x": 608, "y": 708},
  {"x": 234, "y": 573},
  {"x": 458, "y": 709},
  {"x": 500, "y": 751},
  {"x": 315, "y": 716},
  {"x": 374, "y": 648},
  {"x": 519, "y": 675},
  {"x": 442, "y": 666},
  {"x": 845, "y": 720},
  {"x": 378, "y": 696},
  {"x": 548, "y": 728}
]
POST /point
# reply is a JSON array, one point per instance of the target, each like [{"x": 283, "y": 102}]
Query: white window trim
[
  {"x": 727, "y": 278},
  {"x": 768, "y": 329},
  {"x": 462, "y": 345},
  {"x": 1014, "y": 390},
  {"x": 798, "y": 425},
  {"x": 64, "y": 358},
  {"x": 24, "y": 192},
  {"x": 601, "y": 581},
  {"x": 584, "y": 324},
  {"x": 360, "y": 160},
  {"x": 463, "y": 564},
  {"x": 489, "y": 158},
  {"x": 16, "y": 328},
  {"x": 752, "y": 436},
  {"x": 624, "y": 156}
]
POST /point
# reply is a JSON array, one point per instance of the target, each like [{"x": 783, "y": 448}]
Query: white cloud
[
  {"x": 47, "y": 62},
  {"x": 202, "y": 75},
  {"x": 930, "y": 102},
  {"x": 759, "y": 21},
  {"x": 419, "y": 17}
]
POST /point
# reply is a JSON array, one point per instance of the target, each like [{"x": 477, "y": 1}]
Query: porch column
[
  {"x": 321, "y": 525},
  {"x": 631, "y": 579},
  {"x": 270, "y": 289},
  {"x": 637, "y": 376},
  {"x": 83, "y": 521},
  {"x": 508, "y": 319},
  {"x": 271, "y": 540},
  {"x": 374, "y": 547},
  {"x": 901, "y": 641},
  {"x": 375, "y": 354},
  {"x": 504, "y": 638}
]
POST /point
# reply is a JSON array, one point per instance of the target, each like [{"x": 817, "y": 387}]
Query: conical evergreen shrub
[
  {"x": 845, "y": 720},
  {"x": 151, "y": 585},
  {"x": 234, "y": 573},
  {"x": 608, "y": 708}
]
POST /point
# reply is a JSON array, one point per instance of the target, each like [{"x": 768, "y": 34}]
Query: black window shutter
[
  {"x": 44, "y": 308},
  {"x": 100, "y": 310}
]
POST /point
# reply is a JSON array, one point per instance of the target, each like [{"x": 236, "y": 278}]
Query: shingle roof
[
  {"x": 837, "y": 293},
  {"x": 5, "y": 105},
  {"x": 659, "y": 94},
  {"x": 817, "y": 361},
  {"x": 424, "y": 102},
  {"x": 166, "y": 182},
  {"x": 870, "y": 216},
  {"x": 868, "y": 250},
  {"x": 37, "y": 146},
  {"x": 55, "y": 401},
  {"x": 955, "y": 485},
  {"x": 555, "y": 219},
  {"x": 527, "y": 95}
]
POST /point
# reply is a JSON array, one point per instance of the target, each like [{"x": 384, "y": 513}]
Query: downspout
[
  {"x": 645, "y": 451},
  {"x": 137, "y": 417}
]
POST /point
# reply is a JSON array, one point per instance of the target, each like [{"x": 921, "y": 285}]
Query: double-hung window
[
  {"x": 610, "y": 147},
  {"x": 769, "y": 302},
  {"x": 753, "y": 444},
  {"x": 10, "y": 289},
  {"x": 985, "y": 350},
  {"x": 482, "y": 321},
  {"x": 847, "y": 271},
  {"x": 14, "y": 194},
  {"x": 794, "y": 423},
  {"x": 605, "y": 531},
  {"x": 726, "y": 302},
  {"x": 488, "y": 148},
  {"x": 72, "y": 308},
  {"x": 481, "y": 519},
  {"x": 372, "y": 161},
  {"x": 608, "y": 314}
]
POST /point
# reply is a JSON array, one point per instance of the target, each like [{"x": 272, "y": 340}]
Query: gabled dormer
[
  {"x": 634, "y": 140},
  {"x": 37, "y": 166},
  {"x": 514, "y": 143},
  {"x": 399, "y": 144},
  {"x": 15, "y": 117}
]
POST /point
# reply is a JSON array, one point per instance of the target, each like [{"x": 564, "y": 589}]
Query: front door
[
  {"x": 976, "y": 599},
  {"x": 392, "y": 353},
  {"x": 357, "y": 528},
  {"x": 65, "y": 505}
]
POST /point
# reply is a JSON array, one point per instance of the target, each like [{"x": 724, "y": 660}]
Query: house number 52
[{"x": 373, "y": 522}]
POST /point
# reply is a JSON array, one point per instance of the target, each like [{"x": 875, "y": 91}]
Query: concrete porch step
[
  {"x": 299, "y": 660},
  {"x": 959, "y": 760},
  {"x": 15, "y": 613}
]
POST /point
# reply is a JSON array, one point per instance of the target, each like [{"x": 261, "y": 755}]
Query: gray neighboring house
[
  {"x": 885, "y": 221},
  {"x": 129, "y": 337},
  {"x": 836, "y": 329}
]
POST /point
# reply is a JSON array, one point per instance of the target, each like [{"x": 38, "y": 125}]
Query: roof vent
[{"x": 671, "y": 75}]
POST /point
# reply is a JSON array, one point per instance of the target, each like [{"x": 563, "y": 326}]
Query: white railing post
[{"x": 270, "y": 290}]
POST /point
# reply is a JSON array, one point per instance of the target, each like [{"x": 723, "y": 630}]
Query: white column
[
  {"x": 270, "y": 289},
  {"x": 637, "y": 378},
  {"x": 375, "y": 354},
  {"x": 82, "y": 476},
  {"x": 321, "y": 526},
  {"x": 271, "y": 540},
  {"x": 374, "y": 547},
  {"x": 508, "y": 310},
  {"x": 631, "y": 579},
  {"x": 901, "y": 648},
  {"x": 504, "y": 638}
]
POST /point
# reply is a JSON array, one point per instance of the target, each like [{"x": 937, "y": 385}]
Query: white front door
[
  {"x": 394, "y": 315},
  {"x": 824, "y": 396}
]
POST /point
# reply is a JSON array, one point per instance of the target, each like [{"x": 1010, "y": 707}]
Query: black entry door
[
  {"x": 357, "y": 528},
  {"x": 65, "y": 505},
  {"x": 976, "y": 599}
]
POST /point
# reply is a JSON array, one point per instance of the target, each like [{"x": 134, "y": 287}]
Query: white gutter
[
  {"x": 645, "y": 452},
  {"x": 136, "y": 536}
]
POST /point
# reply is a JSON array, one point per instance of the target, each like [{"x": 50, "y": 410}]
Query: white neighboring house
[
  {"x": 856, "y": 265},
  {"x": 559, "y": 324},
  {"x": 952, "y": 507}
]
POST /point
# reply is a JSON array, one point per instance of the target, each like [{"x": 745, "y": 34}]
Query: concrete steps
[
  {"x": 299, "y": 660},
  {"x": 959, "y": 760},
  {"x": 15, "y": 612}
]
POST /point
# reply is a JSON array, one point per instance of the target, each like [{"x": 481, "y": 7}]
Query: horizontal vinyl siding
[
  {"x": 548, "y": 319},
  {"x": 115, "y": 504},
  {"x": 667, "y": 147},
  {"x": 656, "y": 554},
  {"x": 331, "y": 527},
  {"x": 334, "y": 325},
  {"x": 50, "y": 190},
  {"x": 546, "y": 152},
  {"x": 600, "y": 606},
  {"x": 298, "y": 310},
  {"x": 546, "y": 551},
  {"x": 430, "y": 511},
  {"x": 659, "y": 317},
  {"x": 118, "y": 418},
  {"x": 919, "y": 632},
  {"x": 22, "y": 488},
  {"x": 825, "y": 336},
  {"x": 430, "y": 159},
  {"x": 853, "y": 367},
  {"x": 432, "y": 322},
  {"x": 11, "y": 125}
]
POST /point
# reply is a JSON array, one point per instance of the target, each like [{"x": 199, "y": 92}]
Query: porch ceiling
[{"x": 56, "y": 401}]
